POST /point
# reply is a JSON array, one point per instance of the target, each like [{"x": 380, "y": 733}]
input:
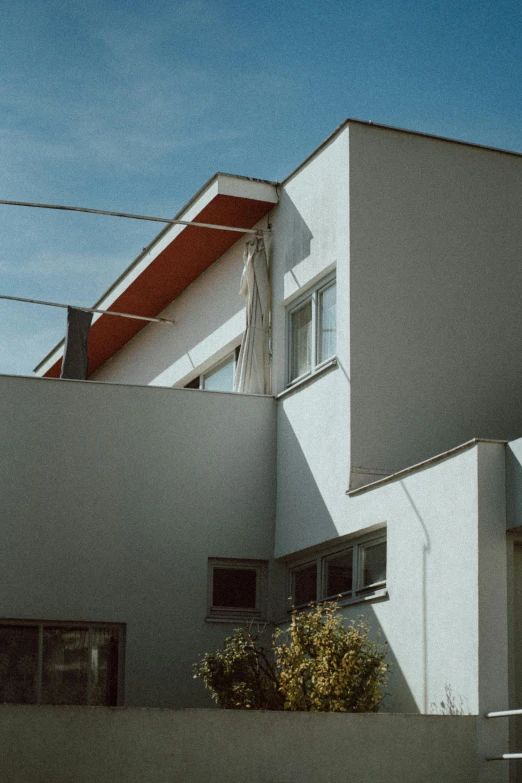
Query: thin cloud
[
  {"x": 128, "y": 128},
  {"x": 51, "y": 263}
]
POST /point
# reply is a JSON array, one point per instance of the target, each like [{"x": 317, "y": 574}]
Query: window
[
  {"x": 220, "y": 377},
  {"x": 354, "y": 571},
  {"x": 236, "y": 589},
  {"x": 311, "y": 330},
  {"x": 61, "y": 663}
]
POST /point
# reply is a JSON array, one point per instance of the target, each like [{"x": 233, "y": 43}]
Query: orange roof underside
[{"x": 169, "y": 274}]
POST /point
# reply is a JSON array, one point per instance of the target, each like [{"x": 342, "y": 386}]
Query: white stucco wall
[
  {"x": 446, "y": 604},
  {"x": 436, "y": 283},
  {"x": 310, "y": 227},
  {"x": 113, "y": 498},
  {"x": 310, "y": 239},
  {"x": 63, "y": 744}
]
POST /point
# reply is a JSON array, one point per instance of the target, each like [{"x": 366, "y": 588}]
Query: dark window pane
[
  {"x": 339, "y": 573},
  {"x": 104, "y": 666},
  {"x": 194, "y": 384},
  {"x": 373, "y": 564},
  {"x": 18, "y": 663},
  {"x": 234, "y": 587},
  {"x": 65, "y": 667},
  {"x": 304, "y": 585}
]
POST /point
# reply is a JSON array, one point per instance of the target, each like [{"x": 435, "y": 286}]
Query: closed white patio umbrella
[{"x": 253, "y": 366}]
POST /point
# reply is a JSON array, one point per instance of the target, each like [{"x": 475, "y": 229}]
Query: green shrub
[
  {"x": 241, "y": 676},
  {"x": 316, "y": 664}
]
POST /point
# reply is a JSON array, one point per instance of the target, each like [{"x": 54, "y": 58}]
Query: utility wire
[
  {"x": 172, "y": 221},
  {"x": 88, "y": 309}
]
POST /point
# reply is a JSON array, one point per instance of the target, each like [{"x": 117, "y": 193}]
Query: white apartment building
[{"x": 150, "y": 509}]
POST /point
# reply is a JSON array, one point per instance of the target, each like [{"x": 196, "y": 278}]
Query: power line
[
  {"x": 171, "y": 221},
  {"x": 88, "y": 309}
]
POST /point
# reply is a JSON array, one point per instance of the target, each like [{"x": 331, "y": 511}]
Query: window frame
[
  {"x": 237, "y": 613},
  {"x": 358, "y": 591},
  {"x": 198, "y": 382},
  {"x": 41, "y": 625},
  {"x": 312, "y": 295}
]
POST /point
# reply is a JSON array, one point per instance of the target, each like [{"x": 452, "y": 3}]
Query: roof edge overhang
[
  {"x": 171, "y": 262},
  {"x": 424, "y": 464}
]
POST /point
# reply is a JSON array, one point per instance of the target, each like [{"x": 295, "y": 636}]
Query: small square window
[
  {"x": 312, "y": 330},
  {"x": 236, "y": 589}
]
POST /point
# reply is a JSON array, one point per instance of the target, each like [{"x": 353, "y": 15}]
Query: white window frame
[
  {"x": 85, "y": 626},
  {"x": 237, "y": 613},
  {"x": 233, "y": 356},
  {"x": 358, "y": 591},
  {"x": 313, "y": 295}
]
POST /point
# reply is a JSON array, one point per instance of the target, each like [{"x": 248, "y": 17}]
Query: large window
[
  {"x": 61, "y": 663},
  {"x": 312, "y": 330},
  {"x": 353, "y": 571},
  {"x": 236, "y": 589}
]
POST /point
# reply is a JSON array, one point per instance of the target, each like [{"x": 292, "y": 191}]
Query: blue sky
[{"x": 133, "y": 105}]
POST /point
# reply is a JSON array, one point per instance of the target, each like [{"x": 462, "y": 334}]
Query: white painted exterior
[
  {"x": 425, "y": 242},
  {"x": 435, "y": 251},
  {"x": 133, "y": 746},
  {"x": 113, "y": 499}
]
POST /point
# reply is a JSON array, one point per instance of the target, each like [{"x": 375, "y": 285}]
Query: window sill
[
  {"x": 300, "y": 382},
  {"x": 376, "y": 595},
  {"x": 381, "y": 593},
  {"x": 242, "y": 619}
]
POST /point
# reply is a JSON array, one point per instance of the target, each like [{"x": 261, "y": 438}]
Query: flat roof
[{"x": 380, "y": 126}]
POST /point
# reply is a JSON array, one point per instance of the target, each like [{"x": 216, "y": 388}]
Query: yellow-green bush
[{"x": 317, "y": 664}]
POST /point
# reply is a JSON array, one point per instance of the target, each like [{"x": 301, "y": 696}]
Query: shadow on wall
[
  {"x": 296, "y": 237},
  {"x": 302, "y": 516},
  {"x": 399, "y": 697},
  {"x": 424, "y": 641}
]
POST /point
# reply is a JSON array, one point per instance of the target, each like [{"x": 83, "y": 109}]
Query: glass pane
[
  {"x": 301, "y": 341},
  {"x": 327, "y": 324},
  {"x": 373, "y": 564},
  {"x": 304, "y": 583},
  {"x": 339, "y": 573},
  {"x": 221, "y": 379},
  {"x": 18, "y": 663},
  {"x": 65, "y": 666},
  {"x": 234, "y": 587},
  {"x": 104, "y": 666}
]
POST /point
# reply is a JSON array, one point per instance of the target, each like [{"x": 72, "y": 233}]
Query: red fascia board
[{"x": 169, "y": 274}]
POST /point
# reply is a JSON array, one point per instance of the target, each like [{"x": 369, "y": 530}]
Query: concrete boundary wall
[{"x": 87, "y": 744}]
